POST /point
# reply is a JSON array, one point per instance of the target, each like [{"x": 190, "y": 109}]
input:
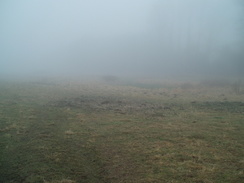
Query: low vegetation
[{"x": 77, "y": 132}]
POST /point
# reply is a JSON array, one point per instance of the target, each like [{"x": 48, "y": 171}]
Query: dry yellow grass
[
  {"x": 61, "y": 181},
  {"x": 69, "y": 132},
  {"x": 96, "y": 132}
]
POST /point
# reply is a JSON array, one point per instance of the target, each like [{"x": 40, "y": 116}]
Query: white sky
[{"x": 113, "y": 36}]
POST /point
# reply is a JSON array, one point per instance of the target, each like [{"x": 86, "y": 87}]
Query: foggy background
[{"x": 137, "y": 38}]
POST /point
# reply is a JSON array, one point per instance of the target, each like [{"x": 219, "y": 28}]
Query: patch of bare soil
[
  {"x": 117, "y": 105},
  {"x": 231, "y": 107}
]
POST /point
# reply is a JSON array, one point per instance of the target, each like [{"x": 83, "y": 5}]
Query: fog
[{"x": 125, "y": 38}]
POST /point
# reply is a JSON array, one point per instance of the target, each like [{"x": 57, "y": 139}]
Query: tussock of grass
[{"x": 69, "y": 132}]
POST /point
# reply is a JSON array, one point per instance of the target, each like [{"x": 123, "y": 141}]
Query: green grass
[{"x": 92, "y": 132}]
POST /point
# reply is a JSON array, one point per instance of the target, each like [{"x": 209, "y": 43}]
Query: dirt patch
[
  {"x": 231, "y": 107},
  {"x": 117, "y": 105}
]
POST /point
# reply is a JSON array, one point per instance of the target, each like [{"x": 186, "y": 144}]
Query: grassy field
[{"x": 74, "y": 132}]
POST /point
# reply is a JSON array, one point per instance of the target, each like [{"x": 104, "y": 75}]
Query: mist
[{"x": 138, "y": 38}]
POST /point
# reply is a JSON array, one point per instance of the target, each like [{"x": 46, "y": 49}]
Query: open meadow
[{"x": 142, "y": 131}]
